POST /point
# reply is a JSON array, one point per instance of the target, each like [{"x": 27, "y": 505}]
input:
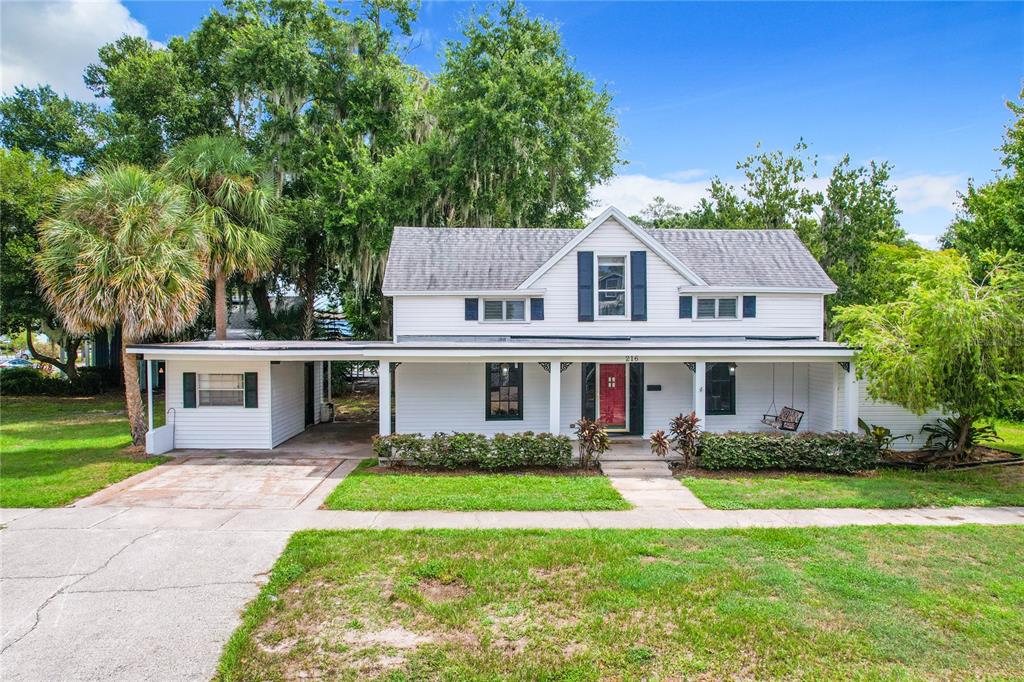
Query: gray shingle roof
[{"x": 472, "y": 258}]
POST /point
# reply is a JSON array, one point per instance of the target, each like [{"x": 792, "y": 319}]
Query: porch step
[{"x": 636, "y": 469}]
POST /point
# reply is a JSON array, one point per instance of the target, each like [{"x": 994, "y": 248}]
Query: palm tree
[
  {"x": 234, "y": 207},
  {"x": 124, "y": 248}
]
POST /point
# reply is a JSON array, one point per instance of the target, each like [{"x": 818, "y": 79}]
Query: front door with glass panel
[{"x": 611, "y": 396}]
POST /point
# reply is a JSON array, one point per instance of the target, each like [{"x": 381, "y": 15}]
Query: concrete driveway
[{"x": 85, "y": 599}]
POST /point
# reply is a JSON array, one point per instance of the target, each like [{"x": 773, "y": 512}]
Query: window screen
[{"x": 221, "y": 390}]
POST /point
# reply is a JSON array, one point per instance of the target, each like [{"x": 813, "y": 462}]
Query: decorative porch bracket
[
  {"x": 845, "y": 366},
  {"x": 546, "y": 366},
  {"x": 692, "y": 366}
]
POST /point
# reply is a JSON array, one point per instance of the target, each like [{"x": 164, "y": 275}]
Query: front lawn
[
  {"x": 1012, "y": 434},
  {"x": 364, "y": 489},
  {"x": 863, "y": 603},
  {"x": 57, "y": 450},
  {"x": 990, "y": 487}
]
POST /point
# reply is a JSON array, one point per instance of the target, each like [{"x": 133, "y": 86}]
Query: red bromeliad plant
[
  {"x": 660, "y": 444},
  {"x": 685, "y": 437},
  {"x": 593, "y": 440}
]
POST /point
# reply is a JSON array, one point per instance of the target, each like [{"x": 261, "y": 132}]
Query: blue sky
[{"x": 697, "y": 85}]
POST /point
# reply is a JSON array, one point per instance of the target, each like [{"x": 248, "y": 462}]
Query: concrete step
[{"x": 636, "y": 469}]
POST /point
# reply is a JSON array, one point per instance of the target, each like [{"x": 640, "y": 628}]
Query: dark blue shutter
[
  {"x": 536, "y": 308},
  {"x": 251, "y": 391},
  {"x": 636, "y": 398},
  {"x": 588, "y": 409},
  {"x": 472, "y": 309},
  {"x": 188, "y": 389},
  {"x": 585, "y": 285},
  {"x": 638, "y": 284},
  {"x": 750, "y": 306},
  {"x": 685, "y": 306}
]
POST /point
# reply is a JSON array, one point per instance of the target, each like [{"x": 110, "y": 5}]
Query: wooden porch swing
[{"x": 788, "y": 418}]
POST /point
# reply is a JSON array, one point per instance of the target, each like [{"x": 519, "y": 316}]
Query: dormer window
[
  {"x": 611, "y": 286},
  {"x": 504, "y": 311},
  {"x": 717, "y": 308}
]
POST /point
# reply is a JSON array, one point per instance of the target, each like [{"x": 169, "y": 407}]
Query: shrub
[
  {"x": 466, "y": 450},
  {"x": 834, "y": 452},
  {"x": 31, "y": 381},
  {"x": 685, "y": 436},
  {"x": 593, "y": 440}
]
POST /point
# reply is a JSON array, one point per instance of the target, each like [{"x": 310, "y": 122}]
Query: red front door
[{"x": 611, "y": 380}]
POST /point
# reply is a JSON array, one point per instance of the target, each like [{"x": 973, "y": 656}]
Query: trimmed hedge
[
  {"x": 834, "y": 452},
  {"x": 31, "y": 381},
  {"x": 473, "y": 450}
]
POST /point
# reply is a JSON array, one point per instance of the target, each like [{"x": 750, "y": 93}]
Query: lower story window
[
  {"x": 720, "y": 388},
  {"x": 221, "y": 390},
  {"x": 504, "y": 390}
]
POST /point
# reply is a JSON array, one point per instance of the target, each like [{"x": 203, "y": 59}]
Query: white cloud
[
  {"x": 687, "y": 174},
  {"x": 53, "y": 42},
  {"x": 631, "y": 193},
  {"x": 928, "y": 241},
  {"x": 919, "y": 193}
]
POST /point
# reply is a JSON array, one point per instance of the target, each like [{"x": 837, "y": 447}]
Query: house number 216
[{"x": 632, "y": 358}]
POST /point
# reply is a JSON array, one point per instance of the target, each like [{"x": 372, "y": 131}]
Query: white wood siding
[
  {"x": 894, "y": 417},
  {"x": 789, "y": 314},
  {"x": 318, "y": 390},
  {"x": 219, "y": 427},
  {"x": 449, "y": 397},
  {"x": 674, "y": 398},
  {"x": 287, "y": 384},
  {"x": 823, "y": 387}
]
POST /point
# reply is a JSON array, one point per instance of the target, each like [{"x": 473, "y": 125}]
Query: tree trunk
[
  {"x": 261, "y": 299},
  {"x": 307, "y": 288},
  {"x": 133, "y": 396},
  {"x": 71, "y": 348},
  {"x": 220, "y": 302},
  {"x": 961, "y": 441}
]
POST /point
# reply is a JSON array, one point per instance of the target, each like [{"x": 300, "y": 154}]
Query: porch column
[
  {"x": 384, "y": 397},
  {"x": 699, "y": 374},
  {"x": 555, "y": 397},
  {"x": 852, "y": 396},
  {"x": 330, "y": 382},
  {"x": 149, "y": 391}
]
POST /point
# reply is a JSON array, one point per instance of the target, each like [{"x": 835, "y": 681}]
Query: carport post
[
  {"x": 384, "y": 397},
  {"x": 149, "y": 390},
  {"x": 330, "y": 388}
]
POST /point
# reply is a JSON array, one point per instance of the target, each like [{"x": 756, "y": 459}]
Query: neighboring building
[{"x": 503, "y": 330}]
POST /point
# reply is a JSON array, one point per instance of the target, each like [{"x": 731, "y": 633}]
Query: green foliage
[
  {"x": 837, "y": 452},
  {"x": 685, "y": 436},
  {"x": 951, "y": 343},
  {"x": 28, "y": 190},
  {"x": 882, "y": 435},
  {"x": 30, "y": 381},
  {"x": 593, "y": 441},
  {"x": 991, "y": 217},
  {"x": 944, "y": 434},
  {"x": 851, "y": 227},
  {"x": 472, "y": 450},
  {"x": 57, "y": 128}
]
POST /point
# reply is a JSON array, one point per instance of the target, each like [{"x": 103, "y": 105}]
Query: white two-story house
[{"x": 506, "y": 330}]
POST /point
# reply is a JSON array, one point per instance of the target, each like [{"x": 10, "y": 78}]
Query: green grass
[
  {"x": 884, "y": 489},
  {"x": 818, "y": 604},
  {"x": 367, "y": 490},
  {"x": 57, "y": 450},
  {"x": 1012, "y": 434}
]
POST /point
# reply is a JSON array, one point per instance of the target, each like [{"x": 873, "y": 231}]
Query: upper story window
[
  {"x": 611, "y": 286},
  {"x": 717, "y": 308},
  {"x": 504, "y": 311}
]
